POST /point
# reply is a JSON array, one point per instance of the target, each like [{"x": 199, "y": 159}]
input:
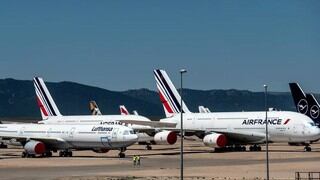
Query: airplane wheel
[
  {"x": 243, "y": 148},
  {"x": 307, "y": 148},
  {"x": 149, "y": 147},
  {"x": 4, "y": 146},
  {"x": 61, "y": 153},
  {"x": 122, "y": 155},
  {"x": 259, "y": 148},
  {"x": 48, "y": 154},
  {"x": 24, "y": 154},
  {"x": 69, "y": 154}
]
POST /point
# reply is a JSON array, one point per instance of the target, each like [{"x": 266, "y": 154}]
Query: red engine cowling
[
  {"x": 165, "y": 137},
  {"x": 215, "y": 140},
  {"x": 100, "y": 150},
  {"x": 35, "y": 147}
]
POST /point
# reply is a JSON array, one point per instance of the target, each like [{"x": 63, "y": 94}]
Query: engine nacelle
[
  {"x": 35, "y": 147},
  {"x": 100, "y": 150},
  {"x": 215, "y": 140},
  {"x": 165, "y": 137}
]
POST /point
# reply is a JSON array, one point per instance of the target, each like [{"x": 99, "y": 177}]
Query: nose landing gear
[{"x": 121, "y": 153}]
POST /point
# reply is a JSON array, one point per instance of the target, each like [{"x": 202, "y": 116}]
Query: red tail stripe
[
  {"x": 43, "y": 110},
  {"x": 165, "y": 103},
  {"x": 124, "y": 111}
]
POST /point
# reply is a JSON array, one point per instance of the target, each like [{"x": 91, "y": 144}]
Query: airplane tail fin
[
  {"x": 94, "y": 109},
  {"x": 299, "y": 98},
  {"x": 123, "y": 110},
  {"x": 314, "y": 113},
  {"x": 202, "y": 109},
  {"x": 135, "y": 112},
  {"x": 169, "y": 96},
  {"x": 44, "y": 99}
]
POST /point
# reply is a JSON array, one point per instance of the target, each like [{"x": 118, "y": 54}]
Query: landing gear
[
  {"x": 148, "y": 147},
  {"x": 121, "y": 153},
  {"x": 3, "y": 146},
  {"x": 235, "y": 148},
  {"x": 65, "y": 153},
  {"x": 47, "y": 154},
  {"x": 307, "y": 148},
  {"x": 255, "y": 148},
  {"x": 25, "y": 154}
]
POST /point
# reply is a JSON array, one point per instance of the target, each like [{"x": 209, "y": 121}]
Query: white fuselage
[
  {"x": 283, "y": 126},
  {"x": 72, "y": 136},
  {"x": 102, "y": 119}
]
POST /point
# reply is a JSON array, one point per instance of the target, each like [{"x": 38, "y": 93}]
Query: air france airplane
[
  {"x": 146, "y": 129},
  {"x": 42, "y": 139},
  {"x": 234, "y": 129}
]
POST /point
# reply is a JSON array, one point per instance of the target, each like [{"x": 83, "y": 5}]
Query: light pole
[
  {"x": 181, "y": 125},
  {"x": 267, "y": 138}
]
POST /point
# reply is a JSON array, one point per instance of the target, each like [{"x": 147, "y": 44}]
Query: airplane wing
[
  {"x": 154, "y": 124},
  {"x": 244, "y": 137}
]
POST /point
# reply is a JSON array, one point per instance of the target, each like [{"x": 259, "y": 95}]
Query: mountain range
[{"x": 17, "y": 99}]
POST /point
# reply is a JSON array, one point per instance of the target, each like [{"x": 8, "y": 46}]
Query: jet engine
[
  {"x": 100, "y": 150},
  {"x": 165, "y": 137},
  {"x": 215, "y": 140},
  {"x": 35, "y": 147}
]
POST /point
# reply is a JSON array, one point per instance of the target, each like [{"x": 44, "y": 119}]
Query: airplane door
[
  {"x": 21, "y": 132},
  {"x": 71, "y": 132},
  {"x": 106, "y": 141},
  {"x": 48, "y": 132},
  {"x": 115, "y": 134}
]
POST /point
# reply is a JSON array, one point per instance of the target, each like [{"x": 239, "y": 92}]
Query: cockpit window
[
  {"x": 132, "y": 132},
  {"x": 312, "y": 124},
  {"x": 126, "y": 132}
]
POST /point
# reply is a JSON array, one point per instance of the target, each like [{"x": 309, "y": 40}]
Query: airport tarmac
[{"x": 162, "y": 163}]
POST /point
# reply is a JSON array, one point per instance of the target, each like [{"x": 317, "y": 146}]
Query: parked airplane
[
  {"x": 42, "y": 139},
  {"x": 94, "y": 109},
  {"x": 305, "y": 103},
  {"x": 234, "y": 129},
  {"x": 144, "y": 138},
  {"x": 124, "y": 111},
  {"x": 203, "y": 109},
  {"x": 142, "y": 125}
]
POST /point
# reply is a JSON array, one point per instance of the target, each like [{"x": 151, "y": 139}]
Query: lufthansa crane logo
[
  {"x": 314, "y": 112},
  {"x": 302, "y": 106}
]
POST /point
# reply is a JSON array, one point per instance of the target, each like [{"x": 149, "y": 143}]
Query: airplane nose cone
[{"x": 134, "y": 137}]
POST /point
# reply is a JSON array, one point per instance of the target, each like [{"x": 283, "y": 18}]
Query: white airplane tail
[
  {"x": 44, "y": 99},
  {"x": 202, "y": 109},
  {"x": 135, "y": 112},
  {"x": 169, "y": 96},
  {"x": 94, "y": 109},
  {"x": 123, "y": 110}
]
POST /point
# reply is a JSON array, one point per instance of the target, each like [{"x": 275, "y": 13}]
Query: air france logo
[
  {"x": 314, "y": 112},
  {"x": 271, "y": 121},
  {"x": 302, "y": 106}
]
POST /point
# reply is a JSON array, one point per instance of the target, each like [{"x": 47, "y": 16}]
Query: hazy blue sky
[{"x": 117, "y": 44}]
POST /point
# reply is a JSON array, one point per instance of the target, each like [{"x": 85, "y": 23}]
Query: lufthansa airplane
[
  {"x": 42, "y": 139},
  {"x": 144, "y": 138},
  {"x": 224, "y": 130},
  {"x": 146, "y": 129},
  {"x": 305, "y": 103}
]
